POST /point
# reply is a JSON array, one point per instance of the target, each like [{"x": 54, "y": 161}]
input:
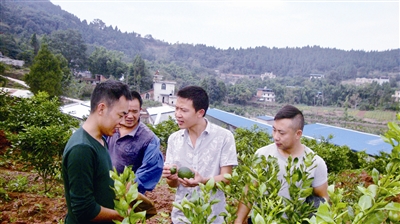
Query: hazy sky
[{"x": 345, "y": 25}]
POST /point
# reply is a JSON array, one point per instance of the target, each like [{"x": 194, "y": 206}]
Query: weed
[{"x": 19, "y": 184}]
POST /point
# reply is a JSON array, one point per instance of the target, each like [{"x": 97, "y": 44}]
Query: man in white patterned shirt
[{"x": 207, "y": 149}]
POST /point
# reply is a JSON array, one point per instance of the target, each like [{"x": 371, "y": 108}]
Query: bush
[{"x": 38, "y": 132}]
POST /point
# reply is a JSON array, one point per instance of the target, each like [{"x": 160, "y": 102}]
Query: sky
[{"x": 346, "y": 25}]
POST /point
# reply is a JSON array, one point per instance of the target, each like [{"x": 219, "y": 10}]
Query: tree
[
  {"x": 98, "y": 62},
  {"x": 3, "y": 80},
  {"x": 71, "y": 45},
  {"x": 35, "y": 44},
  {"x": 139, "y": 76},
  {"x": 216, "y": 90},
  {"x": 9, "y": 46},
  {"x": 46, "y": 74}
]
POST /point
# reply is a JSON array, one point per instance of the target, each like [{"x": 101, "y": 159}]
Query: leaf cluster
[
  {"x": 126, "y": 193},
  {"x": 198, "y": 207}
]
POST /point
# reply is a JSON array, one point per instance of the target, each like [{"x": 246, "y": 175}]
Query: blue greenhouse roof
[
  {"x": 236, "y": 120},
  {"x": 355, "y": 140},
  {"x": 266, "y": 118}
]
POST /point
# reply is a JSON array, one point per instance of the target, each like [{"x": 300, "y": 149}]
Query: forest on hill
[
  {"x": 21, "y": 19},
  {"x": 102, "y": 49}
]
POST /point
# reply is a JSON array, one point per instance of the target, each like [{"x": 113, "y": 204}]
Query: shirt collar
[
  {"x": 133, "y": 132},
  {"x": 207, "y": 130}
]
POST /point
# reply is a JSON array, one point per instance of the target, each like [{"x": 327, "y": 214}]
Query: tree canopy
[{"x": 45, "y": 74}]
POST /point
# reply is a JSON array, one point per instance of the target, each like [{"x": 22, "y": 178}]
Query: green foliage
[
  {"x": 35, "y": 44},
  {"x": 4, "y": 195},
  {"x": 197, "y": 209},
  {"x": 38, "y": 131},
  {"x": 107, "y": 63},
  {"x": 41, "y": 148},
  {"x": 249, "y": 140},
  {"x": 337, "y": 158},
  {"x": 71, "y": 45},
  {"x": 9, "y": 46},
  {"x": 46, "y": 74},
  {"x": 216, "y": 90},
  {"x": 2, "y": 68},
  {"x": 138, "y": 76},
  {"x": 38, "y": 111},
  {"x": 375, "y": 204},
  {"x": 299, "y": 182},
  {"x": 19, "y": 184},
  {"x": 125, "y": 201},
  {"x": 163, "y": 130}
]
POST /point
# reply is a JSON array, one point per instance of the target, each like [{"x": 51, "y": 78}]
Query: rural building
[
  {"x": 380, "y": 81},
  {"x": 317, "y": 76},
  {"x": 164, "y": 92},
  {"x": 396, "y": 96},
  {"x": 265, "y": 94},
  {"x": 148, "y": 95},
  {"x": 267, "y": 75}
]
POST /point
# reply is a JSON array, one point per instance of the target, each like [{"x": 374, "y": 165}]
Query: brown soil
[{"x": 31, "y": 205}]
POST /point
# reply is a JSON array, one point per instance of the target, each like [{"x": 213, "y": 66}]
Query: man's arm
[
  {"x": 149, "y": 173},
  {"x": 242, "y": 213},
  {"x": 322, "y": 191},
  {"x": 107, "y": 214}
]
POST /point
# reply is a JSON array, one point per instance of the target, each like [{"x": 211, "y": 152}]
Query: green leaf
[
  {"x": 259, "y": 219},
  {"x": 210, "y": 184},
  {"x": 375, "y": 175},
  {"x": 365, "y": 202},
  {"x": 373, "y": 189},
  {"x": 393, "y": 206},
  {"x": 324, "y": 213},
  {"x": 375, "y": 217}
]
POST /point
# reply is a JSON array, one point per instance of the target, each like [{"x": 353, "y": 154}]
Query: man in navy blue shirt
[{"x": 134, "y": 144}]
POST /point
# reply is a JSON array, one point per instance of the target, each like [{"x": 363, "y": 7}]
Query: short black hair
[
  {"x": 291, "y": 112},
  {"x": 136, "y": 95},
  {"x": 109, "y": 91},
  {"x": 197, "y": 95}
]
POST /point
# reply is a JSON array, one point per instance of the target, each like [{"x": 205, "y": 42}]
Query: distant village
[{"x": 164, "y": 91}]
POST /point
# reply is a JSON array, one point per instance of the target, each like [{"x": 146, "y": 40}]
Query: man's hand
[
  {"x": 193, "y": 182},
  {"x": 167, "y": 172}
]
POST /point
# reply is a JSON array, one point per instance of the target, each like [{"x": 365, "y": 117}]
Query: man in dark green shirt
[{"x": 86, "y": 163}]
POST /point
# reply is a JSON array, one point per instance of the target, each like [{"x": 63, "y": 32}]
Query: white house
[
  {"x": 396, "y": 96},
  {"x": 164, "y": 92},
  {"x": 265, "y": 94}
]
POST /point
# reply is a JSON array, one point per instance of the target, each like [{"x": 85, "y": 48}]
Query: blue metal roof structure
[
  {"x": 266, "y": 118},
  {"x": 355, "y": 140},
  {"x": 236, "y": 120}
]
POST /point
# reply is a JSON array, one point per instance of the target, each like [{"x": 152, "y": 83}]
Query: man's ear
[
  {"x": 201, "y": 112},
  {"x": 100, "y": 108},
  {"x": 299, "y": 133}
]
